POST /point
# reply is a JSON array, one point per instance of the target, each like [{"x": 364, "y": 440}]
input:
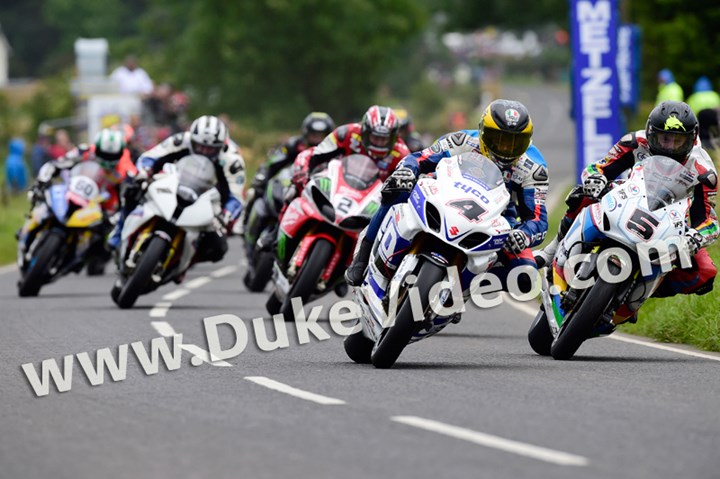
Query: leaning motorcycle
[
  {"x": 262, "y": 218},
  {"x": 64, "y": 231},
  {"x": 616, "y": 253},
  {"x": 159, "y": 238},
  {"x": 453, "y": 219},
  {"x": 319, "y": 229}
]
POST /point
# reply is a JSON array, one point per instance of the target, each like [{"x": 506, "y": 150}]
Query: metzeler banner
[{"x": 596, "y": 106}]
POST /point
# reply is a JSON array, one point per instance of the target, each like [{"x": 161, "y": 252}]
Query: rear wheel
[
  {"x": 396, "y": 338},
  {"x": 37, "y": 273},
  {"x": 140, "y": 278},
  {"x": 580, "y": 325},
  {"x": 306, "y": 280},
  {"x": 540, "y": 336}
]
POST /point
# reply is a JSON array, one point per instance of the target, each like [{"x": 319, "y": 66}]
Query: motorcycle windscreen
[
  {"x": 196, "y": 175},
  {"x": 478, "y": 168},
  {"x": 666, "y": 181},
  {"x": 359, "y": 171},
  {"x": 89, "y": 169}
]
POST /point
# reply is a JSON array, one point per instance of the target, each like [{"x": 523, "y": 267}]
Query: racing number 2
[
  {"x": 642, "y": 224},
  {"x": 470, "y": 209}
]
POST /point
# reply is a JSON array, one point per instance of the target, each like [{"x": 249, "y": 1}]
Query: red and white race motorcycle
[{"x": 318, "y": 232}]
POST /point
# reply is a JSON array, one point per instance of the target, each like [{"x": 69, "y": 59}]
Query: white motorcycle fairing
[
  {"x": 462, "y": 207},
  {"x": 161, "y": 201}
]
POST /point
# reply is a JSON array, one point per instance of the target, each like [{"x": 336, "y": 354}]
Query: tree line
[{"x": 270, "y": 60}]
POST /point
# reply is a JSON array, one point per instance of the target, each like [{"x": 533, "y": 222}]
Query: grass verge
[
  {"x": 687, "y": 319},
  {"x": 12, "y": 215}
]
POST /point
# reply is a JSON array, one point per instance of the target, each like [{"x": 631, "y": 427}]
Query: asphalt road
[{"x": 473, "y": 401}]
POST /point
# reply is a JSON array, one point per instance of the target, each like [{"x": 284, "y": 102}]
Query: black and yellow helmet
[{"x": 505, "y": 131}]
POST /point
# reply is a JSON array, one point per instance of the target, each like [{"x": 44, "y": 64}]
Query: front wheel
[
  {"x": 258, "y": 275},
  {"x": 540, "y": 336},
  {"x": 38, "y": 272},
  {"x": 580, "y": 325},
  {"x": 307, "y": 279},
  {"x": 395, "y": 338},
  {"x": 140, "y": 278}
]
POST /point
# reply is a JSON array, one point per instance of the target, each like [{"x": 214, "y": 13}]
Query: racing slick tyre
[
  {"x": 395, "y": 338},
  {"x": 540, "y": 336},
  {"x": 140, "y": 278},
  {"x": 37, "y": 273},
  {"x": 307, "y": 278}
]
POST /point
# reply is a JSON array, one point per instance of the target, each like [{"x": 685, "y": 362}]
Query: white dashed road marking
[
  {"x": 177, "y": 294},
  {"x": 299, "y": 393},
  {"x": 199, "y": 355},
  {"x": 224, "y": 271},
  {"x": 160, "y": 310},
  {"x": 495, "y": 442}
]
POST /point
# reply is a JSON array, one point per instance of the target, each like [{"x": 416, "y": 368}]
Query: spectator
[
  {"x": 668, "y": 89},
  {"x": 130, "y": 78},
  {"x": 62, "y": 144},
  {"x": 705, "y": 103},
  {"x": 15, "y": 170},
  {"x": 40, "y": 153}
]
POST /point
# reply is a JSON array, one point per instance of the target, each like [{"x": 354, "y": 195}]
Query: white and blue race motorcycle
[
  {"x": 614, "y": 256},
  {"x": 451, "y": 228}
]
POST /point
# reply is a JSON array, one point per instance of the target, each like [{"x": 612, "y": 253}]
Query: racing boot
[
  {"x": 544, "y": 256},
  {"x": 115, "y": 236},
  {"x": 355, "y": 273},
  {"x": 267, "y": 239}
]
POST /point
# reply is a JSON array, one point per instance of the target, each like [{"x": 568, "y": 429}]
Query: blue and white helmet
[{"x": 208, "y": 135}]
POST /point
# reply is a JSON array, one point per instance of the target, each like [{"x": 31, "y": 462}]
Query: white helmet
[{"x": 208, "y": 135}]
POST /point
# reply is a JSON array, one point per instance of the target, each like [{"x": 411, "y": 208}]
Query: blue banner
[
  {"x": 596, "y": 105},
  {"x": 628, "y": 65}
]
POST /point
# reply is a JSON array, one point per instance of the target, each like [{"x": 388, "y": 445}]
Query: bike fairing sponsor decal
[
  {"x": 417, "y": 200},
  {"x": 610, "y": 203},
  {"x": 479, "y": 182},
  {"x": 469, "y": 189}
]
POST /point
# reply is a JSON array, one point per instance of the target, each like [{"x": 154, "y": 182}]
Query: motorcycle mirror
[{"x": 708, "y": 179}]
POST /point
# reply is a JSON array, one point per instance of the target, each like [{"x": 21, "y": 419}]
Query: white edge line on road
[
  {"x": 299, "y": 393},
  {"x": 177, "y": 294},
  {"x": 160, "y": 310},
  {"x": 627, "y": 339},
  {"x": 224, "y": 271},
  {"x": 495, "y": 442},
  {"x": 198, "y": 282},
  {"x": 166, "y": 330},
  {"x": 620, "y": 336}
]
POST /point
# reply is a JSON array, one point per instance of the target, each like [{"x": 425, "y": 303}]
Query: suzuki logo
[{"x": 454, "y": 230}]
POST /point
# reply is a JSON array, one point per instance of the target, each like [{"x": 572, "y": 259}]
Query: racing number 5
[{"x": 642, "y": 224}]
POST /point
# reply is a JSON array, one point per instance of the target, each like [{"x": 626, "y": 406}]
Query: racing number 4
[{"x": 470, "y": 209}]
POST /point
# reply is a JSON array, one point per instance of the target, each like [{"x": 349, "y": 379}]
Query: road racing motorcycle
[
  {"x": 65, "y": 230},
  {"x": 622, "y": 248},
  {"x": 453, "y": 219},
  {"x": 319, "y": 230},
  {"x": 159, "y": 238},
  {"x": 262, "y": 218}
]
